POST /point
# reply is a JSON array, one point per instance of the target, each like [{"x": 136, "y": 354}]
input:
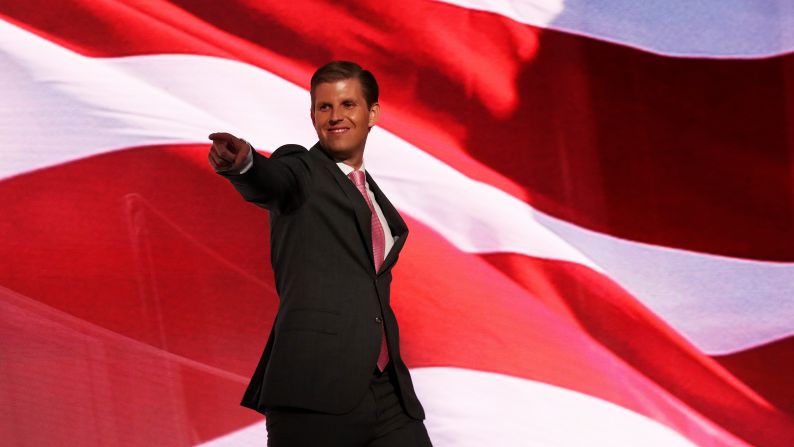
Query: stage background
[{"x": 600, "y": 196}]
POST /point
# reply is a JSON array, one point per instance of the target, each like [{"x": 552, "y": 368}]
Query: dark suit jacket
[{"x": 326, "y": 336}]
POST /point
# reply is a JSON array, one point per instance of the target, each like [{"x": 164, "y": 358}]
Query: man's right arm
[{"x": 268, "y": 182}]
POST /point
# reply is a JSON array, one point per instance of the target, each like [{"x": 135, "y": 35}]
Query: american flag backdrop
[{"x": 600, "y": 196}]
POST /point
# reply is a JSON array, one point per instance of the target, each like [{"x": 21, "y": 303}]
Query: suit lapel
[
  {"x": 396, "y": 223},
  {"x": 355, "y": 199},
  {"x": 363, "y": 215}
]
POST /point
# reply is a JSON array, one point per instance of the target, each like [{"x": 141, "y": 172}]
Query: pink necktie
[{"x": 378, "y": 248}]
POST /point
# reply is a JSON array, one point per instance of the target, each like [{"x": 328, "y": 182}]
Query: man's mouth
[{"x": 338, "y": 130}]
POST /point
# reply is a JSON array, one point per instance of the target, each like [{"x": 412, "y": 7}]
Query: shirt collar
[{"x": 347, "y": 169}]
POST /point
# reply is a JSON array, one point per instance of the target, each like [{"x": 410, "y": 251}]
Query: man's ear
[
  {"x": 311, "y": 114},
  {"x": 374, "y": 114}
]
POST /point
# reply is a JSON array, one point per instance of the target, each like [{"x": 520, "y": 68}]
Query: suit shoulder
[{"x": 289, "y": 149}]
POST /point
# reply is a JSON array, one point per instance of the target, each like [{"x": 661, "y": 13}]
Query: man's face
[{"x": 342, "y": 119}]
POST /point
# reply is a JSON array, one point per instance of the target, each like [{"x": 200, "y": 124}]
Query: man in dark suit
[{"x": 331, "y": 373}]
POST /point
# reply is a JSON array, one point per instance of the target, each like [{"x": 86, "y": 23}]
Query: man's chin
[{"x": 337, "y": 151}]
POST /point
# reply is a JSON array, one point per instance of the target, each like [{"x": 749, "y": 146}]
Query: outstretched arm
[{"x": 268, "y": 182}]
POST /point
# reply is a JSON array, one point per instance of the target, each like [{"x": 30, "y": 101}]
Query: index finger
[{"x": 222, "y": 136}]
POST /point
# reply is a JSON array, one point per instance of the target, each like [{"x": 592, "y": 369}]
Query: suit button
[{"x": 378, "y": 320}]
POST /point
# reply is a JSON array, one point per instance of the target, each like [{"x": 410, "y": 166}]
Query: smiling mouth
[{"x": 337, "y": 130}]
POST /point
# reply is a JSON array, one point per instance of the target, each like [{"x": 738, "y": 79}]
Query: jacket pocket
[{"x": 312, "y": 320}]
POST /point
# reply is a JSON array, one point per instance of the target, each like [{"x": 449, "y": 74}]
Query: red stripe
[
  {"x": 66, "y": 382},
  {"x": 136, "y": 248},
  {"x": 679, "y": 152},
  {"x": 103, "y": 249},
  {"x": 767, "y": 369}
]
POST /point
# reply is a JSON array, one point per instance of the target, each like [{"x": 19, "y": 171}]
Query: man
[{"x": 331, "y": 373}]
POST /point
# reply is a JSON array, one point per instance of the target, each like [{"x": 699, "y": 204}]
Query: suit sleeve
[{"x": 276, "y": 183}]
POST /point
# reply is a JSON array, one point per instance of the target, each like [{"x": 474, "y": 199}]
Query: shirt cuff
[{"x": 249, "y": 160}]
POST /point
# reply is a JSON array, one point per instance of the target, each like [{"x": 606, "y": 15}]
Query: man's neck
[
  {"x": 354, "y": 160},
  {"x": 356, "y": 165}
]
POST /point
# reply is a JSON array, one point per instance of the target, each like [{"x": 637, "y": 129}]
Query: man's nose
[{"x": 336, "y": 115}]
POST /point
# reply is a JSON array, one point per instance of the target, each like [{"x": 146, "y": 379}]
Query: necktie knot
[{"x": 357, "y": 177}]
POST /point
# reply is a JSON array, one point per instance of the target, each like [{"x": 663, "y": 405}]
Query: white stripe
[
  {"x": 721, "y": 304},
  {"x": 143, "y": 100},
  {"x": 705, "y": 28},
  {"x": 473, "y": 409},
  {"x": 254, "y": 435},
  {"x": 59, "y": 106}
]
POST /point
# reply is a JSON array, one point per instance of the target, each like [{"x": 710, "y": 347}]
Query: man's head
[
  {"x": 341, "y": 70},
  {"x": 344, "y": 108}
]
